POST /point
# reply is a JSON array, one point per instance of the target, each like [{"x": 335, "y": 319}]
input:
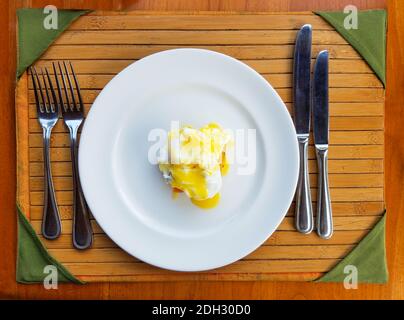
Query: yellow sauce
[
  {"x": 224, "y": 166},
  {"x": 175, "y": 192},
  {"x": 199, "y": 153},
  {"x": 208, "y": 203}
]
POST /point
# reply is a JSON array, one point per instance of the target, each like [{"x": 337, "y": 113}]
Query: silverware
[
  {"x": 48, "y": 115},
  {"x": 320, "y": 130},
  {"x": 302, "y": 102},
  {"x": 73, "y": 115}
]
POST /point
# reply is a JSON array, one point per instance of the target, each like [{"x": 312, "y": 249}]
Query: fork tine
[
  {"x": 54, "y": 105},
  {"x": 35, "y": 90},
  {"x": 77, "y": 86},
  {"x": 64, "y": 87},
  {"x": 70, "y": 85},
  {"x": 42, "y": 105},
  {"x": 62, "y": 104},
  {"x": 48, "y": 104}
]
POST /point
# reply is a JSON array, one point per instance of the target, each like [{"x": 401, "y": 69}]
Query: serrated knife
[
  {"x": 320, "y": 132},
  {"x": 302, "y": 103}
]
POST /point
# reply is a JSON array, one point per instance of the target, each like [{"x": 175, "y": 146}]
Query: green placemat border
[
  {"x": 34, "y": 39},
  {"x": 369, "y": 39},
  {"x": 368, "y": 257},
  {"x": 33, "y": 257}
]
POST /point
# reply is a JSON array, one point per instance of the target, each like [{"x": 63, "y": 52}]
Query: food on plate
[{"x": 196, "y": 161}]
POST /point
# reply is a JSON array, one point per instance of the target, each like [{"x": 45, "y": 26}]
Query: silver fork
[
  {"x": 73, "y": 115},
  {"x": 48, "y": 115}
]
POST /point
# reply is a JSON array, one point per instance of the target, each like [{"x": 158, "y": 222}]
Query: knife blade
[
  {"x": 321, "y": 134},
  {"x": 320, "y": 99},
  {"x": 302, "y": 103},
  {"x": 301, "y": 79}
]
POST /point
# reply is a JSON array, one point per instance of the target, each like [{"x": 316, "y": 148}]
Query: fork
[
  {"x": 73, "y": 115},
  {"x": 48, "y": 115}
]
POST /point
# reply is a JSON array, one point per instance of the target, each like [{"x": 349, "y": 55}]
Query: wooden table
[{"x": 188, "y": 290}]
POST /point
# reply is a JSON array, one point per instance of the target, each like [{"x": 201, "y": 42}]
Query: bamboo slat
[
  {"x": 339, "y": 109},
  {"x": 193, "y": 37},
  {"x": 336, "y": 152},
  {"x": 335, "y": 95},
  {"x": 373, "y": 123},
  {"x": 279, "y": 238},
  {"x": 336, "y": 181},
  {"x": 134, "y": 52},
  {"x": 63, "y": 169},
  {"x": 340, "y": 223},
  {"x": 336, "y": 138},
  {"x": 201, "y": 22},
  {"x": 263, "y": 253},
  {"x": 101, "y": 44},
  {"x": 337, "y": 194},
  {"x": 278, "y": 81},
  {"x": 263, "y": 66},
  {"x": 268, "y": 266},
  {"x": 363, "y": 208}
]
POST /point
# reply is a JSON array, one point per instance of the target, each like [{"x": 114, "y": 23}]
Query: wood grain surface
[{"x": 272, "y": 290}]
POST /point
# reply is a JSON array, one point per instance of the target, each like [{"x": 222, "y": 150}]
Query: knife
[
  {"x": 320, "y": 130},
  {"x": 302, "y": 102}
]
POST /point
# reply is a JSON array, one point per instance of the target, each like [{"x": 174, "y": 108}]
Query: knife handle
[
  {"x": 304, "y": 210},
  {"x": 324, "y": 212}
]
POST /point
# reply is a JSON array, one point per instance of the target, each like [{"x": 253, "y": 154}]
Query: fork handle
[
  {"x": 51, "y": 225},
  {"x": 82, "y": 230}
]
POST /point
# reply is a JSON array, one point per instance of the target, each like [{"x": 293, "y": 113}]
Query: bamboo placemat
[{"x": 102, "y": 43}]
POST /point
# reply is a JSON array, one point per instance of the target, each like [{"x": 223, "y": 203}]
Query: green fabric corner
[
  {"x": 369, "y": 39},
  {"x": 34, "y": 38},
  {"x": 369, "y": 257},
  {"x": 32, "y": 256}
]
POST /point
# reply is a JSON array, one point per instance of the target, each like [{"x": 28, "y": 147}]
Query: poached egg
[{"x": 196, "y": 162}]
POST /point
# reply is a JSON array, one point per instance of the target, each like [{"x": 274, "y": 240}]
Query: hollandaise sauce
[
  {"x": 196, "y": 163},
  {"x": 208, "y": 203}
]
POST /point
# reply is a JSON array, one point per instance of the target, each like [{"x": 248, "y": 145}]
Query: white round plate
[{"x": 127, "y": 194}]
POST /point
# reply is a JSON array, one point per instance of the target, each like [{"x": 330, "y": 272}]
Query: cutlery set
[
  {"x": 50, "y": 102},
  {"x": 311, "y": 101}
]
